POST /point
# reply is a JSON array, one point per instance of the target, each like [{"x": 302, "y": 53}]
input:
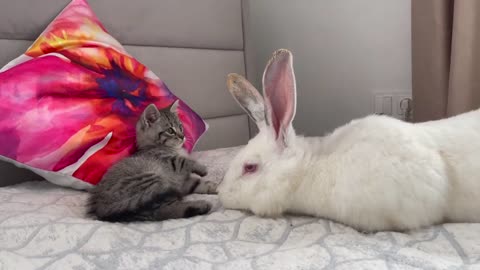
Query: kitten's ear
[
  {"x": 174, "y": 106},
  {"x": 150, "y": 115}
]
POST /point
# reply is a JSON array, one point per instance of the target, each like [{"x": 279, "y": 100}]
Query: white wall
[{"x": 344, "y": 51}]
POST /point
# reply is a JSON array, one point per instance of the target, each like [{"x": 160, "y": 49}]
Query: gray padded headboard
[{"x": 190, "y": 44}]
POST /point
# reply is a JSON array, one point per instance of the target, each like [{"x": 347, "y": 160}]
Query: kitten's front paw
[
  {"x": 201, "y": 170},
  {"x": 206, "y": 187},
  {"x": 191, "y": 185},
  {"x": 200, "y": 208}
]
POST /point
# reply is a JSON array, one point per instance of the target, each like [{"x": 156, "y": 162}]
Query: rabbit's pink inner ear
[{"x": 280, "y": 93}]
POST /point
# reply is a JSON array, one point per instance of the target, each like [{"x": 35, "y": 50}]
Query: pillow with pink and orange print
[{"x": 70, "y": 103}]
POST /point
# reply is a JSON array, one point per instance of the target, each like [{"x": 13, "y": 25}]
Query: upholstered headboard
[{"x": 190, "y": 44}]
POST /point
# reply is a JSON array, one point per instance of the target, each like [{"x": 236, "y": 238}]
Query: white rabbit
[{"x": 375, "y": 173}]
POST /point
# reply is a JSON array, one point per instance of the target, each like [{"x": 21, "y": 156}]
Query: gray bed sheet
[{"x": 43, "y": 226}]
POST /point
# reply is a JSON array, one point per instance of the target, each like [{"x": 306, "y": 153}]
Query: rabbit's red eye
[{"x": 249, "y": 168}]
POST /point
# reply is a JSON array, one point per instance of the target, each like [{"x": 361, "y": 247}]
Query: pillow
[{"x": 70, "y": 103}]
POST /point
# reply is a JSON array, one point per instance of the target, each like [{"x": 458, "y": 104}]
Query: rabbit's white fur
[{"x": 375, "y": 173}]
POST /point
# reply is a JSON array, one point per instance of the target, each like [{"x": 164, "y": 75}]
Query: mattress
[{"x": 43, "y": 226}]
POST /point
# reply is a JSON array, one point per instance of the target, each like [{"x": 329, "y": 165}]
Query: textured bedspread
[{"x": 43, "y": 226}]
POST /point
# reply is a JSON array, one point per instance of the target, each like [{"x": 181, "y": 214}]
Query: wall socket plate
[{"x": 396, "y": 104}]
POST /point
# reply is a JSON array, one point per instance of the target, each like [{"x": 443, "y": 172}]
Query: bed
[{"x": 43, "y": 226}]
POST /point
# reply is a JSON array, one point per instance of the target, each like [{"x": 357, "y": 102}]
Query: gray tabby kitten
[{"x": 150, "y": 185}]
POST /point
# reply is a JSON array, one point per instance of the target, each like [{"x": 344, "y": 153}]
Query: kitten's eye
[
  {"x": 170, "y": 131},
  {"x": 250, "y": 168}
]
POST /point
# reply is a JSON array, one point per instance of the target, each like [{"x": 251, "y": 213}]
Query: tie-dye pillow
[{"x": 70, "y": 103}]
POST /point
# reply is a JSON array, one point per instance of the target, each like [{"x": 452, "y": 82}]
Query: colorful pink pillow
[{"x": 69, "y": 105}]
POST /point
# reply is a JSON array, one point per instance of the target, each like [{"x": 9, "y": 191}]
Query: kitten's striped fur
[{"x": 150, "y": 184}]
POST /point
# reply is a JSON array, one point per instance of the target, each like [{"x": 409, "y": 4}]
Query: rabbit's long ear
[
  {"x": 280, "y": 95},
  {"x": 248, "y": 97}
]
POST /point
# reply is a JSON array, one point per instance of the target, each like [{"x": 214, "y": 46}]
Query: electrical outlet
[
  {"x": 398, "y": 105},
  {"x": 402, "y": 105}
]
